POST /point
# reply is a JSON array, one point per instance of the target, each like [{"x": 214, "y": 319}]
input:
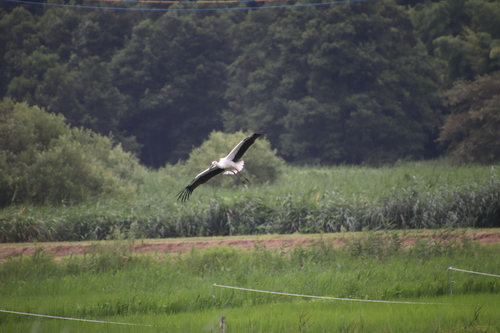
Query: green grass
[
  {"x": 416, "y": 195},
  {"x": 461, "y": 314},
  {"x": 174, "y": 291}
]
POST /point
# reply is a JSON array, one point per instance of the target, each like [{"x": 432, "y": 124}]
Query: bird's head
[{"x": 213, "y": 165}]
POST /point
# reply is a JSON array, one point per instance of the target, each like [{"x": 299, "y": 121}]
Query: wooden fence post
[{"x": 222, "y": 324}]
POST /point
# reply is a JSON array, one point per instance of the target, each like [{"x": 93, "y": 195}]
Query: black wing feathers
[
  {"x": 186, "y": 191},
  {"x": 248, "y": 142},
  {"x": 207, "y": 174}
]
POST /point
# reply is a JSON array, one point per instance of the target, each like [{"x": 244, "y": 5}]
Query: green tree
[
  {"x": 463, "y": 33},
  {"x": 347, "y": 83},
  {"x": 24, "y": 58},
  {"x": 59, "y": 61},
  {"x": 56, "y": 27},
  {"x": 102, "y": 33},
  {"x": 173, "y": 69},
  {"x": 433, "y": 19},
  {"x": 472, "y": 130},
  {"x": 85, "y": 94},
  {"x": 44, "y": 160}
]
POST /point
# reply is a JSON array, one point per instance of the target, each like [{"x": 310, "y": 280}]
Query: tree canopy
[
  {"x": 44, "y": 160},
  {"x": 344, "y": 83},
  {"x": 472, "y": 130}
]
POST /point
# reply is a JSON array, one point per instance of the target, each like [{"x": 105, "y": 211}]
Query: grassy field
[
  {"x": 173, "y": 292},
  {"x": 463, "y": 314},
  {"x": 416, "y": 195},
  {"x": 169, "y": 292}
]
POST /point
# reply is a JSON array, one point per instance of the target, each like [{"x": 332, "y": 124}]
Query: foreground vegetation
[
  {"x": 412, "y": 195},
  {"x": 174, "y": 291}
]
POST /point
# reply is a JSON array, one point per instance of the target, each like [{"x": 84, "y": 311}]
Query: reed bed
[{"x": 416, "y": 195}]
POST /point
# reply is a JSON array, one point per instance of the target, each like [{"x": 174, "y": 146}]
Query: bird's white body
[
  {"x": 226, "y": 164},
  {"x": 229, "y": 165}
]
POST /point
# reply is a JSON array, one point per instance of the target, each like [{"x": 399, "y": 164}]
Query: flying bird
[{"x": 229, "y": 165}]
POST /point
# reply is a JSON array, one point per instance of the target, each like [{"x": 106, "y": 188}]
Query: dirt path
[{"x": 247, "y": 243}]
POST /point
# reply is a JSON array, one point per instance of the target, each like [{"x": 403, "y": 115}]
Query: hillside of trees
[{"x": 367, "y": 82}]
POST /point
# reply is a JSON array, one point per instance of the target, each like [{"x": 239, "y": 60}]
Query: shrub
[
  {"x": 261, "y": 163},
  {"x": 43, "y": 160}
]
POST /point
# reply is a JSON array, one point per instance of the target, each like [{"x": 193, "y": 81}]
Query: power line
[{"x": 25, "y": 2}]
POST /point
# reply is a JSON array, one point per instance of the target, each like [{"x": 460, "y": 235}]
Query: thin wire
[
  {"x": 189, "y": 2},
  {"x": 184, "y": 2},
  {"x": 74, "y": 319},
  {"x": 479, "y": 273},
  {"x": 325, "y": 297}
]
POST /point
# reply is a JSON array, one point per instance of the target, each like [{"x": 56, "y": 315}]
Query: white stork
[{"x": 230, "y": 165}]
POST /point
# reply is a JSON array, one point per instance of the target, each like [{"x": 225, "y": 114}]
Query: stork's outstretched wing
[
  {"x": 197, "y": 181},
  {"x": 234, "y": 156},
  {"x": 242, "y": 147}
]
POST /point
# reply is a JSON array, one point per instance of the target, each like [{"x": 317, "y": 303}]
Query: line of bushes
[
  {"x": 449, "y": 207},
  {"x": 43, "y": 160}
]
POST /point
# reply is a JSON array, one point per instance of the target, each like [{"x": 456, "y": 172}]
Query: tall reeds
[{"x": 422, "y": 195}]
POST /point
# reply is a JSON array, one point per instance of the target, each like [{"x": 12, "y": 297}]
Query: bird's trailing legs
[{"x": 239, "y": 175}]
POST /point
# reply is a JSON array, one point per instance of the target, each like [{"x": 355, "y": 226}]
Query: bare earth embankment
[{"x": 247, "y": 243}]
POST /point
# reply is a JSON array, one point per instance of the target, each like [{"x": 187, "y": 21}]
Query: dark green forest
[{"x": 366, "y": 82}]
